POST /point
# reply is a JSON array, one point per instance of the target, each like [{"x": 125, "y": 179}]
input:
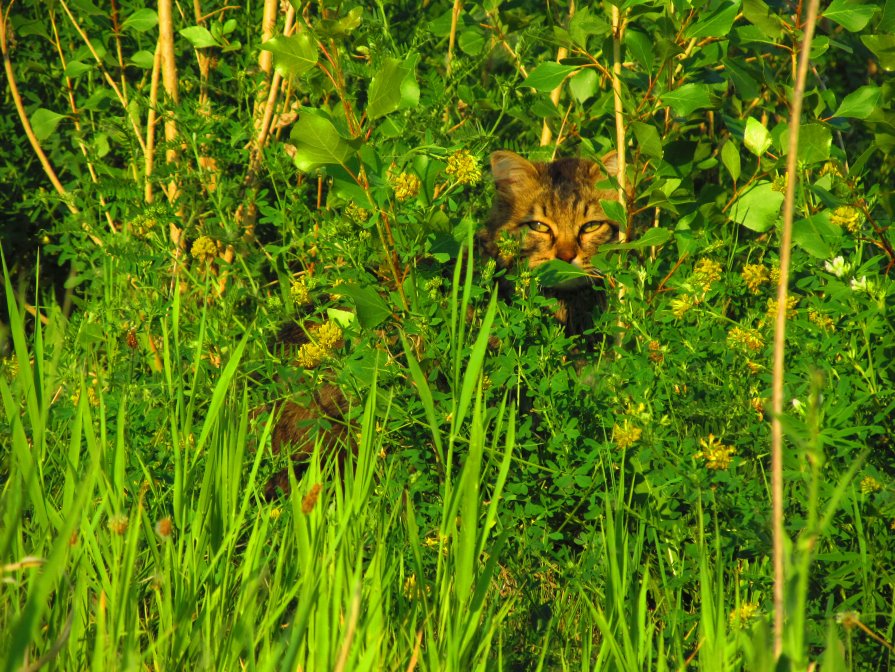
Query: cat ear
[
  {"x": 511, "y": 172},
  {"x": 610, "y": 163}
]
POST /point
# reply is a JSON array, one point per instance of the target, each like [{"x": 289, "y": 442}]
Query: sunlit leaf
[
  {"x": 44, "y": 122},
  {"x": 687, "y": 98},
  {"x": 852, "y": 15},
  {"x": 758, "y": 208},
  {"x": 860, "y": 103},
  {"x": 294, "y": 55},
  {"x": 393, "y": 87},
  {"x": 547, "y": 76},
  {"x": 317, "y": 143}
]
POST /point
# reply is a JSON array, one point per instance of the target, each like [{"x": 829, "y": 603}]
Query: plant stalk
[{"x": 780, "y": 329}]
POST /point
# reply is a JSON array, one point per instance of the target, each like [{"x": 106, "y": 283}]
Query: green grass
[{"x": 513, "y": 498}]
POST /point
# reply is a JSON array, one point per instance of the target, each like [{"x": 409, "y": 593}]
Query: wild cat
[{"x": 552, "y": 211}]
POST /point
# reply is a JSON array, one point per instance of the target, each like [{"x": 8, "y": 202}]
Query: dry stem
[{"x": 780, "y": 329}]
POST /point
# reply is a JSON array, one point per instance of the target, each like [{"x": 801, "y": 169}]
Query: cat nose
[{"x": 566, "y": 252}]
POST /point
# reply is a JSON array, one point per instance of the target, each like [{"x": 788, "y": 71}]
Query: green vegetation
[{"x": 517, "y": 499}]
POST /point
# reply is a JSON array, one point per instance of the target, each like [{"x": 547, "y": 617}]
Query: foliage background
[{"x": 528, "y": 502}]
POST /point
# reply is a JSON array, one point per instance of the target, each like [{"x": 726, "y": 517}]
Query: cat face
[{"x": 552, "y": 210}]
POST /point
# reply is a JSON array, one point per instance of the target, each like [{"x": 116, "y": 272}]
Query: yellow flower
[
  {"x": 118, "y": 523},
  {"x": 204, "y": 249},
  {"x": 758, "y": 406},
  {"x": 745, "y": 613},
  {"x": 407, "y": 185},
  {"x": 356, "y": 213},
  {"x": 717, "y": 455},
  {"x": 748, "y": 339},
  {"x": 310, "y": 356},
  {"x": 791, "y": 302},
  {"x": 847, "y": 216},
  {"x": 755, "y": 275},
  {"x": 682, "y": 304},
  {"x": 299, "y": 291},
  {"x": 626, "y": 434},
  {"x": 329, "y": 336},
  {"x": 164, "y": 527},
  {"x": 464, "y": 167},
  {"x": 707, "y": 271},
  {"x": 825, "y": 322},
  {"x": 869, "y": 484}
]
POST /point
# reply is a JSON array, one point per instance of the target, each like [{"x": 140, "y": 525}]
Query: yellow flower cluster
[
  {"x": 717, "y": 455},
  {"x": 755, "y": 275},
  {"x": 328, "y": 337},
  {"x": 744, "y": 614},
  {"x": 407, "y": 185},
  {"x": 682, "y": 304},
  {"x": 869, "y": 485},
  {"x": 825, "y": 322},
  {"x": 299, "y": 291},
  {"x": 748, "y": 339},
  {"x": 356, "y": 213},
  {"x": 706, "y": 272},
  {"x": 847, "y": 216},
  {"x": 464, "y": 168},
  {"x": 204, "y": 249},
  {"x": 791, "y": 302},
  {"x": 626, "y": 434}
]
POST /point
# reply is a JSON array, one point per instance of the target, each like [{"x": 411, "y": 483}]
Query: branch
[{"x": 780, "y": 329}]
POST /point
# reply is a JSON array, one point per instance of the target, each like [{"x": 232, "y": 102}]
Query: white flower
[
  {"x": 860, "y": 285},
  {"x": 798, "y": 406},
  {"x": 837, "y": 267}
]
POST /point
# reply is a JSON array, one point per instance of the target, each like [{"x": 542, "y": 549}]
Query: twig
[
  {"x": 561, "y": 53},
  {"x": 23, "y": 117},
  {"x": 452, "y": 40},
  {"x": 780, "y": 329},
  {"x": 618, "y": 27}
]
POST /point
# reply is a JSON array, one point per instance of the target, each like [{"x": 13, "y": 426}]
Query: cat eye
[
  {"x": 540, "y": 227},
  {"x": 592, "y": 227}
]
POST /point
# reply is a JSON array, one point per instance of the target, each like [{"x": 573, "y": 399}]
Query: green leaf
[
  {"x": 730, "y": 157},
  {"x": 199, "y": 37},
  {"x": 393, "y": 87},
  {"x": 547, "y": 76},
  {"x": 584, "y": 24},
  {"x": 746, "y": 86},
  {"x": 141, "y": 20},
  {"x": 859, "y": 104},
  {"x": 687, "y": 98},
  {"x": 648, "y": 139},
  {"x": 44, "y": 122},
  {"x": 640, "y": 46},
  {"x": 887, "y": 19},
  {"x": 815, "y": 141},
  {"x": 75, "y": 69},
  {"x": 758, "y": 207},
  {"x": 472, "y": 41},
  {"x": 756, "y": 137},
  {"x": 556, "y": 273},
  {"x": 583, "y": 84},
  {"x": 883, "y": 47},
  {"x": 716, "y": 24},
  {"x": 293, "y": 56},
  {"x": 317, "y": 142},
  {"x": 816, "y": 234},
  {"x": 371, "y": 308},
  {"x": 760, "y": 15},
  {"x": 143, "y": 59},
  {"x": 852, "y": 15},
  {"x": 654, "y": 236},
  {"x": 615, "y": 211}
]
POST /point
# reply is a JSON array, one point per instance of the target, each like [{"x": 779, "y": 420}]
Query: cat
[{"x": 552, "y": 211}]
